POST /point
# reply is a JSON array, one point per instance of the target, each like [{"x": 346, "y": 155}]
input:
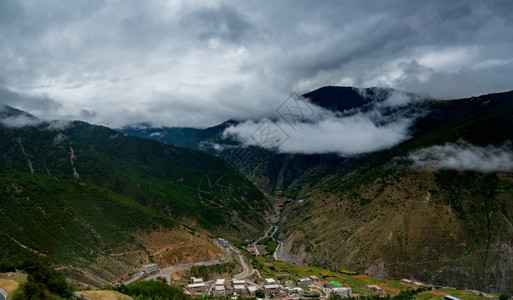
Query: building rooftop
[
  {"x": 196, "y": 285},
  {"x": 252, "y": 288},
  {"x": 272, "y": 286},
  {"x": 220, "y": 281}
]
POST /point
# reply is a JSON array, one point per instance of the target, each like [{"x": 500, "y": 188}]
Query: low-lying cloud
[
  {"x": 18, "y": 119},
  {"x": 315, "y": 130},
  {"x": 463, "y": 156}
]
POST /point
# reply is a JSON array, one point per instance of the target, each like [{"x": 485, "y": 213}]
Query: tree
[{"x": 260, "y": 293}]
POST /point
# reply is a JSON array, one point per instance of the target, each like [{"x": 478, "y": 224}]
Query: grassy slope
[
  {"x": 445, "y": 226},
  {"x": 158, "y": 176},
  {"x": 65, "y": 219},
  {"x": 124, "y": 208}
]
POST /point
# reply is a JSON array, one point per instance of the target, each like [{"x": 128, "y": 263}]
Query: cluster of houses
[
  {"x": 271, "y": 287},
  {"x": 222, "y": 242},
  {"x": 281, "y": 285},
  {"x": 222, "y": 288}
]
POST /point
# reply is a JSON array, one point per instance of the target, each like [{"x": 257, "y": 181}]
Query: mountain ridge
[
  {"x": 69, "y": 178},
  {"x": 349, "y": 201}
]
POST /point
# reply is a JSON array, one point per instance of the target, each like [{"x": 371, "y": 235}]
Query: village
[{"x": 279, "y": 286}]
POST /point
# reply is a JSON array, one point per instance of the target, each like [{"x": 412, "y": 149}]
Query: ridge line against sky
[{"x": 197, "y": 63}]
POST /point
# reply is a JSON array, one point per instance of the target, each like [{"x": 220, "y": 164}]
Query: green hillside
[
  {"x": 161, "y": 177},
  {"x": 98, "y": 203},
  {"x": 69, "y": 221},
  {"x": 388, "y": 220}
]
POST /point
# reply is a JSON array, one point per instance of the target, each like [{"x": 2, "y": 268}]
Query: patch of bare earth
[
  {"x": 386, "y": 288},
  {"x": 9, "y": 285},
  {"x": 9, "y": 282},
  {"x": 164, "y": 247}
]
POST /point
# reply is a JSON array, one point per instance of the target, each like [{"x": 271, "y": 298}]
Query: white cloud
[
  {"x": 321, "y": 131},
  {"x": 19, "y": 121},
  {"x": 463, "y": 156}
]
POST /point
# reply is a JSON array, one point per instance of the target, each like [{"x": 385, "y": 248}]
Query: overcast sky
[{"x": 198, "y": 63}]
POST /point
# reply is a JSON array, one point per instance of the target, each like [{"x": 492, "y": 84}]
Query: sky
[{"x": 199, "y": 63}]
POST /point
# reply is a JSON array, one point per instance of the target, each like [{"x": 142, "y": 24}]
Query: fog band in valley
[{"x": 463, "y": 156}]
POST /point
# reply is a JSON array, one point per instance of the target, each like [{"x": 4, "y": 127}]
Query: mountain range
[
  {"x": 430, "y": 196},
  {"x": 101, "y": 203},
  {"x": 436, "y": 206}
]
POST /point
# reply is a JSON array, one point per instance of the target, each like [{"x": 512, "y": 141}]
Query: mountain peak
[
  {"x": 340, "y": 98},
  {"x": 9, "y": 111},
  {"x": 13, "y": 117}
]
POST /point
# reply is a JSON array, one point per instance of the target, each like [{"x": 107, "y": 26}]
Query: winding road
[
  {"x": 266, "y": 234},
  {"x": 279, "y": 253},
  {"x": 3, "y": 295},
  {"x": 230, "y": 250},
  {"x": 232, "y": 253}
]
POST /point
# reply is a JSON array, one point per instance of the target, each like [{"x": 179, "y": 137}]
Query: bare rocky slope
[{"x": 388, "y": 218}]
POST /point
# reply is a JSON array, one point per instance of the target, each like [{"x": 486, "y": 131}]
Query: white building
[
  {"x": 271, "y": 287},
  {"x": 239, "y": 289},
  {"x": 223, "y": 242},
  {"x": 376, "y": 289},
  {"x": 219, "y": 288},
  {"x": 304, "y": 281},
  {"x": 197, "y": 288},
  {"x": 150, "y": 268},
  {"x": 196, "y": 280},
  {"x": 296, "y": 291},
  {"x": 252, "y": 291},
  {"x": 219, "y": 291},
  {"x": 238, "y": 282},
  {"x": 342, "y": 291},
  {"x": 220, "y": 282}
]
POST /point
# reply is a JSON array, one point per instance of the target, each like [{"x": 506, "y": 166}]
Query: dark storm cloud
[
  {"x": 41, "y": 105},
  {"x": 196, "y": 63},
  {"x": 221, "y": 22}
]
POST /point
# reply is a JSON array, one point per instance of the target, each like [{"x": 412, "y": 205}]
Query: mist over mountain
[
  {"x": 344, "y": 139},
  {"x": 342, "y": 120},
  {"x": 443, "y": 149}
]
